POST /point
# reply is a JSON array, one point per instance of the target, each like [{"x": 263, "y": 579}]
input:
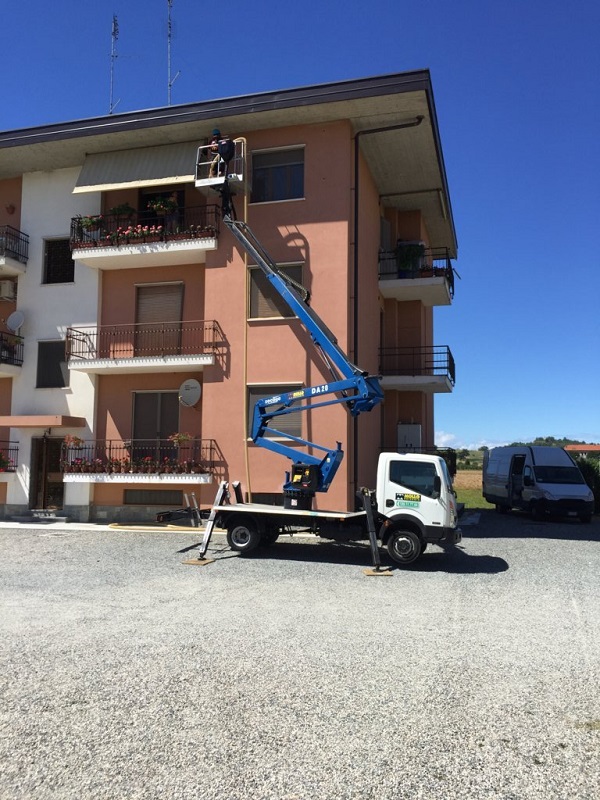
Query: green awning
[{"x": 146, "y": 166}]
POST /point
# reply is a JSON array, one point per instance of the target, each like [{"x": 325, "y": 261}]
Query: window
[
  {"x": 59, "y": 266},
  {"x": 52, "y": 372},
  {"x": 287, "y": 423},
  {"x": 277, "y": 175},
  {"x": 416, "y": 475},
  {"x": 264, "y": 300}
]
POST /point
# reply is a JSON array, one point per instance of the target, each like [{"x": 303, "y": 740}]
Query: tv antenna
[
  {"x": 170, "y": 81},
  {"x": 113, "y": 57}
]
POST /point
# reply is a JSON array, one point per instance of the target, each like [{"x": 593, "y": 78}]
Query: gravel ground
[{"x": 293, "y": 676}]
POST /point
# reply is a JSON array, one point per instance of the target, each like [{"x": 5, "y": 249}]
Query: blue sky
[{"x": 517, "y": 95}]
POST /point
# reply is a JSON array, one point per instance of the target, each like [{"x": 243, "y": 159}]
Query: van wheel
[
  {"x": 537, "y": 512},
  {"x": 243, "y": 536},
  {"x": 404, "y": 547},
  {"x": 502, "y": 509}
]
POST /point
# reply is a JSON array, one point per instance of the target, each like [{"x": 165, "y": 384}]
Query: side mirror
[
  {"x": 437, "y": 486},
  {"x": 528, "y": 481}
]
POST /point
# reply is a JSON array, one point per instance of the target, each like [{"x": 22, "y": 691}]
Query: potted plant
[
  {"x": 179, "y": 439},
  {"x": 163, "y": 205},
  {"x": 73, "y": 441},
  {"x": 91, "y": 223},
  {"x": 123, "y": 210}
]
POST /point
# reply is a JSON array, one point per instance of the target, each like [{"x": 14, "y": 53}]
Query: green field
[
  {"x": 468, "y": 489},
  {"x": 472, "y": 498}
]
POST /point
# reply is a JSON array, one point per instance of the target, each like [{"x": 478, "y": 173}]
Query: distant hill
[{"x": 548, "y": 441}]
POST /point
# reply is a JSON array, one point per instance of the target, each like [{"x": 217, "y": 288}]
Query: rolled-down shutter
[{"x": 158, "y": 317}]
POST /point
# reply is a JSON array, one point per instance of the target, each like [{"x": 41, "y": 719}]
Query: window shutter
[
  {"x": 158, "y": 316},
  {"x": 160, "y": 303},
  {"x": 287, "y": 423},
  {"x": 264, "y": 300}
]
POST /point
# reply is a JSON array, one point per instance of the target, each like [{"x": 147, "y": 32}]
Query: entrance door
[{"x": 47, "y": 487}]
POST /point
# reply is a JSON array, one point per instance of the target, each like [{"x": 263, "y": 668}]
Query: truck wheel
[
  {"x": 501, "y": 508},
  {"x": 404, "y": 547},
  {"x": 243, "y": 536},
  {"x": 585, "y": 518}
]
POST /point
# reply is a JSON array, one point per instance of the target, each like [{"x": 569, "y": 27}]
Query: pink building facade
[{"x": 166, "y": 325}]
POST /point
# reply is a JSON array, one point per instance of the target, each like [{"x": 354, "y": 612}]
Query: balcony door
[
  {"x": 155, "y": 418},
  {"x": 159, "y": 307}
]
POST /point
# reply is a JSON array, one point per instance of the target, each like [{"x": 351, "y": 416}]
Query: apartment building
[{"x": 136, "y": 335}]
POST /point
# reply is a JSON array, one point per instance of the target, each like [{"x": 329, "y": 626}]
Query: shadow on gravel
[
  {"x": 519, "y": 525},
  {"x": 454, "y": 561}
]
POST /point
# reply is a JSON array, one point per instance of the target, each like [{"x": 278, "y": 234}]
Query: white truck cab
[{"x": 415, "y": 493}]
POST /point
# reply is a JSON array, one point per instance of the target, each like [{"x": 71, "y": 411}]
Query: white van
[{"x": 537, "y": 479}]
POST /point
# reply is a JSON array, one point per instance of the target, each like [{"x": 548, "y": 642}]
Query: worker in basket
[{"x": 221, "y": 151}]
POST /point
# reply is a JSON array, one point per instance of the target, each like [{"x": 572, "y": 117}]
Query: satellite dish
[
  {"x": 15, "y": 320},
  {"x": 189, "y": 393}
]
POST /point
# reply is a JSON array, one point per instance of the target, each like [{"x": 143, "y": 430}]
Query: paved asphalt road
[{"x": 293, "y": 676}]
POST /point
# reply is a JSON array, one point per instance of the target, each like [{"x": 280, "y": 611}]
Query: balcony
[
  {"x": 148, "y": 347},
  {"x": 417, "y": 369},
  {"x": 14, "y": 251},
  {"x": 116, "y": 241},
  {"x": 9, "y": 455},
  {"x": 415, "y": 272},
  {"x": 139, "y": 461},
  {"x": 11, "y": 355}
]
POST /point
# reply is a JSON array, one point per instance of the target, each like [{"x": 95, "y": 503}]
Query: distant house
[{"x": 584, "y": 450}]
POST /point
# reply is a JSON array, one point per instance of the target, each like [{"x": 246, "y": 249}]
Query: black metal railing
[
  {"x": 418, "y": 361},
  {"x": 145, "y": 340},
  {"x": 416, "y": 261},
  {"x": 150, "y": 456},
  {"x": 9, "y": 456},
  {"x": 11, "y": 349},
  {"x": 145, "y": 227},
  {"x": 14, "y": 244}
]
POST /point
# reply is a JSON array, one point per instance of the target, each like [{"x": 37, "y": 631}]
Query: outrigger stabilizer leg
[
  {"x": 201, "y": 560},
  {"x": 366, "y": 497}
]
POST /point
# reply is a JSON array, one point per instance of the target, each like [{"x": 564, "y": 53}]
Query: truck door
[{"x": 411, "y": 486}]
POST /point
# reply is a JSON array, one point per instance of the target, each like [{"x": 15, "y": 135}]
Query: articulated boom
[{"x": 350, "y": 385}]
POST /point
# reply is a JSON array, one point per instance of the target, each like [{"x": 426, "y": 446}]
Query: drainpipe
[{"x": 368, "y": 131}]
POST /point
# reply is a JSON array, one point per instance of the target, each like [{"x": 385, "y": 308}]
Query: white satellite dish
[
  {"x": 189, "y": 393},
  {"x": 15, "y": 320}
]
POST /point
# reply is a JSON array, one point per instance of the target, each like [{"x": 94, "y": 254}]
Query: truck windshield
[
  {"x": 415, "y": 475},
  {"x": 558, "y": 475}
]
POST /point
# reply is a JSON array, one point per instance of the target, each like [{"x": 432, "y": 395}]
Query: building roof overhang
[
  {"x": 41, "y": 421},
  {"x": 406, "y": 163}
]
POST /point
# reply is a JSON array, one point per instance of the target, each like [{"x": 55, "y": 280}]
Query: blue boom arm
[{"x": 349, "y": 385}]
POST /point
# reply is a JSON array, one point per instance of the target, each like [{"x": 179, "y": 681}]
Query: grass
[{"x": 468, "y": 489}]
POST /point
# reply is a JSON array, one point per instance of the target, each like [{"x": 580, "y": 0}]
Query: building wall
[
  {"x": 314, "y": 230},
  {"x": 47, "y": 207},
  {"x": 317, "y": 231}
]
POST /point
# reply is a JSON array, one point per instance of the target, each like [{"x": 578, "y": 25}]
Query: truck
[
  {"x": 414, "y": 502},
  {"x": 538, "y": 479}
]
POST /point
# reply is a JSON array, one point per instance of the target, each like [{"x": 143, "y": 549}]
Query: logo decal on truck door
[{"x": 407, "y": 500}]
